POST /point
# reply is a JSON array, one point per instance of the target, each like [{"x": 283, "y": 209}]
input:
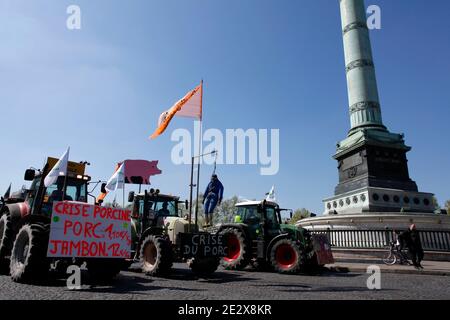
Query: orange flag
[{"x": 190, "y": 106}]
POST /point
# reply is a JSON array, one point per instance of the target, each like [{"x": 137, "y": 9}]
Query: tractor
[
  {"x": 25, "y": 224},
  {"x": 161, "y": 236},
  {"x": 258, "y": 236}
]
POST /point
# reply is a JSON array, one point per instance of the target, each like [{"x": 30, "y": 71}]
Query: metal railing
[{"x": 432, "y": 240}]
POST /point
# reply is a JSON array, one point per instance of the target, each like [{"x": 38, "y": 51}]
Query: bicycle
[{"x": 394, "y": 254}]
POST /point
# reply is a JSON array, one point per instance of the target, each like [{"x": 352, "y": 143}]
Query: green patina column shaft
[
  {"x": 364, "y": 104},
  {"x": 362, "y": 87}
]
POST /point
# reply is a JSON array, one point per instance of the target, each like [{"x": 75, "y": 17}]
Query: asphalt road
[{"x": 238, "y": 285}]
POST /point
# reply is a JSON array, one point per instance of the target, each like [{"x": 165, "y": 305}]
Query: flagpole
[
  {"x": 65, "y": 177},
  {"x": 199, "y": 153}
]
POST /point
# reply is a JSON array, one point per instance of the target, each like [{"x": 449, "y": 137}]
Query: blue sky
[{"x": 266, "y": 64}]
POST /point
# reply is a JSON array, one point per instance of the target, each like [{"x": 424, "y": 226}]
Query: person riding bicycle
[{"x": 411, "y": 239}]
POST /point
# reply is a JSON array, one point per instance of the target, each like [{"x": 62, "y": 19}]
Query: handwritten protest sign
[
  {"x": 82, "y": 230},
  {"x": 202, "y": 245}
]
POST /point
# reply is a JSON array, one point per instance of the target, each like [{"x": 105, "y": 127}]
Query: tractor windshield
[
  {"x": 163, "y": 207},
  {"x": 75, "y": 191},
  {"x": 272, "y": 215},
  {"x": 157, "y": 207},
  {"x": 248, "y": 214}
]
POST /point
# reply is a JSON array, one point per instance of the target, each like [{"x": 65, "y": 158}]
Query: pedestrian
[
  {"x": 411, "y": 238},
  {"x": 213, "y": 196}
]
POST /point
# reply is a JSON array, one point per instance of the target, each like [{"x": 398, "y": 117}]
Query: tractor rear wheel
[
  {"x": 6, "y": 241},
  {"x": 285, "y": 256},
  {"x": 29, "y": 261},
  {"x": 156, "y": 256},
  {"x": 238, "y": 251},
  {"x": 204, "y": 266}
]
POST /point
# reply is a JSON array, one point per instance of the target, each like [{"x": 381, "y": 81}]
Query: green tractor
[
  {"x": 25, "y": 224},
  {"x": 259, "y": 236},
  {"x": 160, "y": 236}
]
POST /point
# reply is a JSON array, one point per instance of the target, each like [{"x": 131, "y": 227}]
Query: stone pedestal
[
  {"x": 372, "y": 162},
  {"x": 378, "y": 221}
]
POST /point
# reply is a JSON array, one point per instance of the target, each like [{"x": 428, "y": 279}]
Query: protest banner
[{"x": 83, "y": 230}]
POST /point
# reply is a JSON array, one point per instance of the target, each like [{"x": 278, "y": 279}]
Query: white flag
[
  {"x": 117, "y": 180},
  {"x": 271, "y": 195},
  {"x": 60, "y": 169}
]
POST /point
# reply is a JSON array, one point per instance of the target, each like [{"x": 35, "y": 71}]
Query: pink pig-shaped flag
[{"x": 140, "y": 171}]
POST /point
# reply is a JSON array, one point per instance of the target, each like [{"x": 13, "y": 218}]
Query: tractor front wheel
[
  {"x": 6, "y": 241},
  {"x": 29, "y": 261},
  {"x": 156, "y": 256},
  {"x": 238, "y": 250},
  {"x": 285, "y": 256}
]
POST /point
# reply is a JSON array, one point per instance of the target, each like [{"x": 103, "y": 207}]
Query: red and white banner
[
  {"x": 83, "y": 230},
  {"x": 190, "y": 106}
]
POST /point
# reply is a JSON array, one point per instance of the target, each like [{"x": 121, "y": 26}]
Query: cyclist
[{"x": 411, "y": 239}]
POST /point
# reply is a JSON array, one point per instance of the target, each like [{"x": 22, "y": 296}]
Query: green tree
[
  {"x": 222, "y": 213},
  {"x": 436, "y": 206},
  {"x": 300, "y": 214},
  {"x": 225, "y": 211}
]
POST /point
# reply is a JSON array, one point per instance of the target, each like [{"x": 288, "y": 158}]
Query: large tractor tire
[
  {"x": 285, "y": 256},
  {"x": 103, "y": 270},
  {"x": 204, "y": 266},
  {"x": 6, "y": 242},
  {"x": 156, "y": 256},
  {"x": 29, "y": 261},
  {"x": 238, "y": 251}
]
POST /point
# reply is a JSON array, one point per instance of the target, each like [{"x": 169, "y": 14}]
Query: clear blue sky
[{"x": 265, "y": 63}]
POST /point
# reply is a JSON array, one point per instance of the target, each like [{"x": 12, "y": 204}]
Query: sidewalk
[{"x": 359, "y": 263}]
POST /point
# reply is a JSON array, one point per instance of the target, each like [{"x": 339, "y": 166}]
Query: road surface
[{"x": 237, "y": 285}]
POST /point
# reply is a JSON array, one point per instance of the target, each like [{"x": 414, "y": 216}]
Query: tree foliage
[
  {"x": 447, "y": 206},
  {"x": 300, "y": 214},
  {"x": 222, "y": 213}
]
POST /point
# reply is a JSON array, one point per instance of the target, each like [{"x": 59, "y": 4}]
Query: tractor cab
[
  {"x": 72, "y": 187},
  {"x": 262, "y": 218},
  {"x": 151, "y": 208},
  {"x": 155, "y": 212}
]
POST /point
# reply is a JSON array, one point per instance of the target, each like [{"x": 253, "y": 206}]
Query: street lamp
[{"x": 197, "y": 185}]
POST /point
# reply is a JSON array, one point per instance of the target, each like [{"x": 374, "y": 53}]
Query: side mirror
[
  {"x": 186, "y": 204},
  {"x": 131, "y": 196},
  {"x": 103, "y": 188},
  {"x": 29, "y": 175},
  {"x": 290, "y": 214}
]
